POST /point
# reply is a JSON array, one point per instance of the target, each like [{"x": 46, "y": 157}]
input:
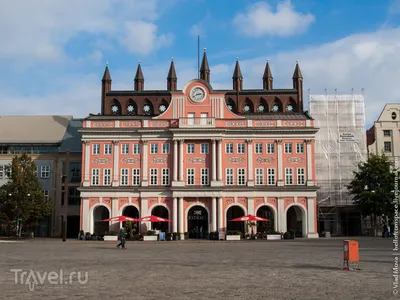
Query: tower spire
[
  {"x": 237, "y": 77},
  {"x": 298, "y": 85},
  {"x": 105, "y": 87},
  {"x": 205, "y": 68},
  {"x": 172, "y": 78},
  {"x": 139, "y": 79},
  {"x": 267, "y": 77}
]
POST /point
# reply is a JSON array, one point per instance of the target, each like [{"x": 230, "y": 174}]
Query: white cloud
[
  {"x": 394, "y": 7},
  {"x": 260, "y": 20},
  {"x": 41, "y": 29}
]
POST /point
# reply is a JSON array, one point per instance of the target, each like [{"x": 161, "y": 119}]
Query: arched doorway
[
  {"x": 234, "y": 212},
  {"x": 100, "y": 213},
  {"x": 133, "y": 212},
  {"x": 197, "y": 225},
  {"x": 162, "y": 212},
  {"x": 267, "y": 213},
  {"x": 294, "y": 220}
]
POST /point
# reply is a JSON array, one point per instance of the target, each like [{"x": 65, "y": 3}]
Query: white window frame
[
  {"x": 301, "y": 176},
  {"x": 107, "y": 149},
  {"x": 288, "y": 148},
  {"x": 124, "y": 148},
  {"x": 258, "y": 148},
  {"x": 165, "y": 176},
  {"x": 288, "y": 176},
  {"x": 166, "y": 148},
  {"x": 153, "y": 176},
  {"x": 190, "y": 148},
  {"x": 259, "y": 176},
  {"x": 229, "y": 176},
  {"x": 241, "y": 176},
  {"x": 229, "y": 148},
  {"x": 136, "y": 148},
  {"x": 205, "y": 176},
  {"x": 107, "y": 173},
  {"x": 271, "y": 176},
  {"x": 300, "y": 148},
  {"x": 124, "y": 179},
  {"x": 153, "y": 148},
  {"x": 204, "y": 148},
  {"x": 241, "y": 148},
  {"x": 95, "y": 180},
  {"x": 46, "y": 194},
  {"x": 384, "y": 146},
  {"x": 96, "y": 149},
  {"x": 136, "y": 177},
  {"x": 270, "y": 148},
  {"x": 190, "y": 176},
  {"x": 45, "y": 171}
]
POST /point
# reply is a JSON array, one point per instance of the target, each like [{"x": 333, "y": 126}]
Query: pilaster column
[
  {"x": 86, "y": 171},
  {"x": 214, "y": 160},
  {"x": 281, "y": 215},
  {"x": 214, "y": 214},
  {"x": 280, "y": 163},
  {"x": 310, "y": 178},
  {"x": 175, "y": 170},
  {"x": 145, "y": 226},
  {"x": 115, "y": 164},
  {"x": 219, "y": 160},
  {"x": 181, "y": 219},
  {"x": 85, "y": 217},
  {"x": 114, "y": 213},
  {"x": 174, "y": 214},
  {"x": 311, "y": 218},
  {"x": 250, "y": 210},
  {"x": 250, "y": 170},
  {"x": 181, "y": 160},
  {"x": 220, "y": 215},
  {"x": 145, "y": 168}
]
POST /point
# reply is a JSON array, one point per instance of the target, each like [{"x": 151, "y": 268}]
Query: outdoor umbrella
[
  {"x": 249, "y": 218},
  {"x": 120, "y": 219},
  {"x": 153, "y": 219}
]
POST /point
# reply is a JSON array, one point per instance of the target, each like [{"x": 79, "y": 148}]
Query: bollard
[{"x": 350, "y": 253}]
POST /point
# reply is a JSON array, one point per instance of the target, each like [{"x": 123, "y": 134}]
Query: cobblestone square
[{"x": 293, "y": 269}]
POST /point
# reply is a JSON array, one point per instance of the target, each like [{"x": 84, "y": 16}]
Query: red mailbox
[{"x": 350, "y": 253}]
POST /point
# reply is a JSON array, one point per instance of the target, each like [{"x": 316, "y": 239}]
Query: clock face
[{"x": 197, "y": 94}]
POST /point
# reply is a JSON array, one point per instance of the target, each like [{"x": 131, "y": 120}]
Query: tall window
[
  {"x": 96, "y": 149},
  {"x": 45, "y": 171},
  {"x": 388, "y": 146},
  {"x": 136, "y": 177},
  {"x": 124, "y": 148},
  {"x": 288, "y": 148},
  {"x": 136, "y": 148},
  {"x": 271, "y": 176},
  {"x": 204, "y": 176},
  {"x": 259, "y": 176},
  {"x": 95, "y": 176},
  {"x": 300, "y": 148},
  {"x": 124, "y": 176},
  {"x": 107, "y": 149},
  {"x": 241, "y": 176},
  {"x": 259, "y": 148},
  {"x": 107, "y": 177},
  {"x": 165, "y": 176},
  {"x": 190, "y": 176},
  {"x": 229, "y": 176},
  {"x": 270, "y": 148},
  {"x": 190, "y": 148},
  {"x": 288, "y": 176},
  {"x": 387, "y": 133},
  {"x": 229, "y": 148},
  {"x": 301, "y": 178},
  {"x": 240, "y": 148},
  {"x": 204, "y": 148},
  {"x": 153, "y": 148},
  {"x": 153, "y": 176},
  {"x": 165, "y": 148},
  {"x": 46, "y": 194}
]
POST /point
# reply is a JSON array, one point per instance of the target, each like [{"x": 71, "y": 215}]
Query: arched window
[
  {"x": 276, "y": 106},
  {"x": 116, "y": 108},
  {"x": 148, "y": 109},
  {"x": 131, "y": 108},
  {"x": 248, "y": 106},
  {"x": 262, "y": 106},
  {"x": 291, "y": 106},
  {"x": 162, "y": 108},
  {"x": 231, "y": 105}
]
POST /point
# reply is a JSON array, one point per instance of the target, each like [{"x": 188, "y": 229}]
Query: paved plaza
[{"x": 294, "y": 269}]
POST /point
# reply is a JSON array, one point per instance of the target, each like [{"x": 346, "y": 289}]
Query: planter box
[
  {"x": 150, "y": 238},
  {"x": 273, "y": 236},
  {"x": 233, "y": 237},
  {"x": 110, "y": 238}
]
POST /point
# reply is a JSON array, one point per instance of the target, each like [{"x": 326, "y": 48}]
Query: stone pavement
[{"x": 296, "y": 269}]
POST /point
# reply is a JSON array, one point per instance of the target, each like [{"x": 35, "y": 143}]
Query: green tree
[
  {"x": 372, "y": 188},
  {"x": 22, "y": 196}
]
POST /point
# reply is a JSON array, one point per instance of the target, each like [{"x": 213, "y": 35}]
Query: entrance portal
[
  {"x": 197, "y": 222},
  {"x": 234, "y": 212},
  {"x": 162, "y": 212},
  {"x": 295, "y": 220}
]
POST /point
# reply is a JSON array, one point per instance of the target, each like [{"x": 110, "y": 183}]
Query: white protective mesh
[{"x": 340, "y": 144}]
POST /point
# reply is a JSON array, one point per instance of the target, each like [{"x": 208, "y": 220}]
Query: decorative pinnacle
[
  {"x": 237, "y": 58},
  {"x": 297, "y": 61},
  {"x": 267, "y": 59},
  {"x": 139, "y": 62},
  {"x": 172, "y": 58},
  {"x": 106, "y": 63},
  {"x": 205, "y": 49}
]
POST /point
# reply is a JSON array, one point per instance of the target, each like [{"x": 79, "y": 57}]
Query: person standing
[{"x": 122, "y": 237}]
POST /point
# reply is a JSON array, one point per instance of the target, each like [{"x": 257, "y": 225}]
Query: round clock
[{"x": 197, "y": 94}]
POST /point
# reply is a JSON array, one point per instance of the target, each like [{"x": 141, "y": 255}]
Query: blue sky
[{"x": 53, "y": 53}]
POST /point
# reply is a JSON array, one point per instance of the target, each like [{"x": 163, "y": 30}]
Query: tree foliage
[
  {"x": 22, "y": 195},
  {"x": 373, "y": 186}
]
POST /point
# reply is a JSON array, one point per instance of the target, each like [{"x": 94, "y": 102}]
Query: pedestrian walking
[{"x": 122, "y": 237}]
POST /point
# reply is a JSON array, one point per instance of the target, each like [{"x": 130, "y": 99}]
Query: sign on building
[{"x": 347, "y": 137}]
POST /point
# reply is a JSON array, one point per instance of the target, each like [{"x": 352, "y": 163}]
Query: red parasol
[
  {"x": 249, "y": 218},
  {"x": 153, "y": 219},
  {"x": 120, "y": 219}
]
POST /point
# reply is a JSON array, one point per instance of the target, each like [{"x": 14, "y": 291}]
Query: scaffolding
[{"x": 340, "y": 145}]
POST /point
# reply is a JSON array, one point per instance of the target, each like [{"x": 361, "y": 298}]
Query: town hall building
[{"x": 200, "y": 157}]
